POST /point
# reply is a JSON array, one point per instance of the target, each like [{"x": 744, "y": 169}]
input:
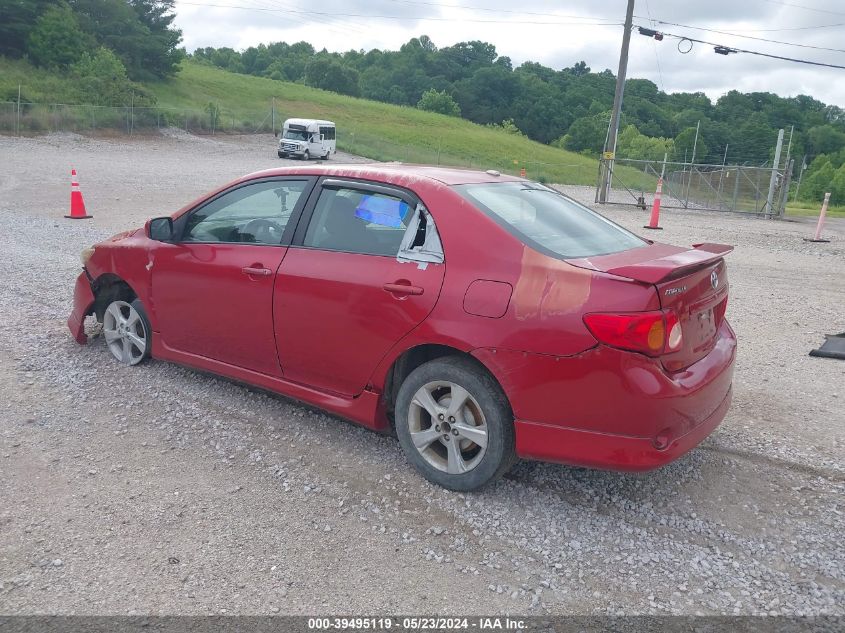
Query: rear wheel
[
  {"x": 455, "y": 424},
  {"x": 127, "y": 330}
]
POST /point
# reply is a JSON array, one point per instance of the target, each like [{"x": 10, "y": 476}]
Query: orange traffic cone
[
  {"x": 77, "y": 204},
  {"x": 654, "y": 221}
]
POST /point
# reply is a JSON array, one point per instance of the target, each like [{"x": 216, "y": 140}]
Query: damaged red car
[{"x": 481, "y": 317}]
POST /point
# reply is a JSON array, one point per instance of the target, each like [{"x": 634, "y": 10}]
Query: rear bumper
[
  {"x": 610, "y": 452},
  {"x": 83, "y": 304},
  {"x": 608, "y": 408}
]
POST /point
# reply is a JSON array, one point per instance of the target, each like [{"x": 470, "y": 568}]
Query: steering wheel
[{"x": 264, "y": 231}]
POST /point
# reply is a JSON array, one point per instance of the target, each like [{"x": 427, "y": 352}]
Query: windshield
[
  {"x": 296, "y": 135},
  {"x": 548, "y": 221}
]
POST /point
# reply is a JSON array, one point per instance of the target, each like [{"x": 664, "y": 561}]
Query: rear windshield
[{"x": 548, "y": 221}]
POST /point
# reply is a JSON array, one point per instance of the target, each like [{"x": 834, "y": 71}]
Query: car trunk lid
[{"x": 691, "y": 282}]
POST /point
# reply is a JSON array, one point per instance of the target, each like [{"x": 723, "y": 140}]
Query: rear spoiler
[{"x": 672, "y": 266}]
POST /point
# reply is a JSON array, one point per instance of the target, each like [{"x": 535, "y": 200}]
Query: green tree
[
  {"x": 819, "y": 179},
  {"x": 586, "y": 134},
  {"x": 685, "y": 144},
  {"x": 632, "y": 144},
  {"x": 579, "y": 70},
  {"x": 439, "y": 101},
  {"x": 823, "y": 139},
  {"x": 160, "y": 51},
  {"x": 330, "y": 74},
  {"x": 17, "y": 18},
  {"x": 138, "y": 32},
  {"x": 488, "y": 96},
  {"x": 102, "y": 78},
  {"x": 57, "y": 41}
]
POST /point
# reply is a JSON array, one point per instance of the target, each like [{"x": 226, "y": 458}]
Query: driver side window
[{"x": 252, "y": 214}]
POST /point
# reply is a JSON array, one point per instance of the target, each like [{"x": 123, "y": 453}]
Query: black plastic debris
[{"x": 833, "y": 347}]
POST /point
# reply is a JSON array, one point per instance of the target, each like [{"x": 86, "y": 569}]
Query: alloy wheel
[
  {"x": 447, "y": 427},
  {"x": 125, "y": 333}
]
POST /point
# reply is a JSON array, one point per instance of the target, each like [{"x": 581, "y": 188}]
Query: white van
[{"x": 307, "y": 138}]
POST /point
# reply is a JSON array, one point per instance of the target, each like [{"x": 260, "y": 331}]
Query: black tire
[
  {"x": 499, "y": 455},
  {"x": 306, "y": 155},
  {"x": 280, "y": 155}
]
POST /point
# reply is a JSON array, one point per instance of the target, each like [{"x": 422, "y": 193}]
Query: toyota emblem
[{"x": 714, "y": 279}]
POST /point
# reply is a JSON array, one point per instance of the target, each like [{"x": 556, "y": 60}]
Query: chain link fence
[
  {"x": 735, "y": 188},
  {"x": 22, "y": 119}
]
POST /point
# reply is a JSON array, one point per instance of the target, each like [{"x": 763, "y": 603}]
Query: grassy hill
[{"x": 376, "y": 130}]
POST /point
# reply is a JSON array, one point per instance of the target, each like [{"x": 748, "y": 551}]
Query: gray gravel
[{"x": 156, "y": 489}]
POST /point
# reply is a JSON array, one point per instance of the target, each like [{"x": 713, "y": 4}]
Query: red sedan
[{"x": 482, "y": 317}]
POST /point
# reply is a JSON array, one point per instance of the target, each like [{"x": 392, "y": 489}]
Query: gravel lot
[{"x": 160, "y": 490}]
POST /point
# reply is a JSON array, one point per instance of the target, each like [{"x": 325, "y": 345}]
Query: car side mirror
[{"x": 160, "y": 229}]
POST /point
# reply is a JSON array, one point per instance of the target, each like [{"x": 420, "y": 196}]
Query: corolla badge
[{"x": 714, "y": 279}]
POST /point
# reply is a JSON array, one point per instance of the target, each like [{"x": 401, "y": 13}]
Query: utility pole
[
  {"x": 787, "y": 181},
  {"x": 789, "y": 146},
  {"x": 273, "y": 112},
  {"x": 692, "y": 162},
  {"x": 613, "y": 131},
  {"x": 773, "y": 179},
  {"x": 18, "y": 119},
  {"x": 800, "y": 176}
]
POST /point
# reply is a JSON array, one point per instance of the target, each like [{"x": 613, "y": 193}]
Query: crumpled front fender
[{"x": 83, "y": 305}]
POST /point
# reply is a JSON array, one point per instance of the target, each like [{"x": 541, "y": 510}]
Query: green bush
[{"x": 439, "y": 101}]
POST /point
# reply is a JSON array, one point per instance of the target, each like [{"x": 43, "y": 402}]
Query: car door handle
[
  {"x": 258, "y": 272},
  {"x": 403, "y": 289}
]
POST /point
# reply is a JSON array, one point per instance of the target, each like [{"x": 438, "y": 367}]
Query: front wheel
[
  {"x": 127, "y": 331},
  {"x": 306, "y": 155},
  {"x": 454, "y": 424}
]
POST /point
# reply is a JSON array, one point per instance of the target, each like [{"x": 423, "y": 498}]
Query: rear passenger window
[{"x": 356, "y": 221}]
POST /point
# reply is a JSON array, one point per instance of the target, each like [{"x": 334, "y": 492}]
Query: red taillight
[{"x": 653, "y": 333}]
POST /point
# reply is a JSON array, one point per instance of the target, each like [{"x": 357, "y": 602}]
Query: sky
[{"x": 559, "y": 34}]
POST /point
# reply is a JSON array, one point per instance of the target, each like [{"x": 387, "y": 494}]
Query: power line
[
  {"x": 471, "y": 8},
  {"x": 801, "y": 6},
  {"x": 747, "y": 37},
  {"x": 519, "y": 12},
  {"x": 729, "y": 49},
  {"x": 794, "y": 28},
  {"x": 394, "y": 17},
  {"x": 656, "y": 56}
]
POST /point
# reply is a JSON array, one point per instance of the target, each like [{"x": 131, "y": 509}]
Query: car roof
[{"x": 394, "y": 173}]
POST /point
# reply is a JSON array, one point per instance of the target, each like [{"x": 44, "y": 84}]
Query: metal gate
[{"x": 734, "y": 188}]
